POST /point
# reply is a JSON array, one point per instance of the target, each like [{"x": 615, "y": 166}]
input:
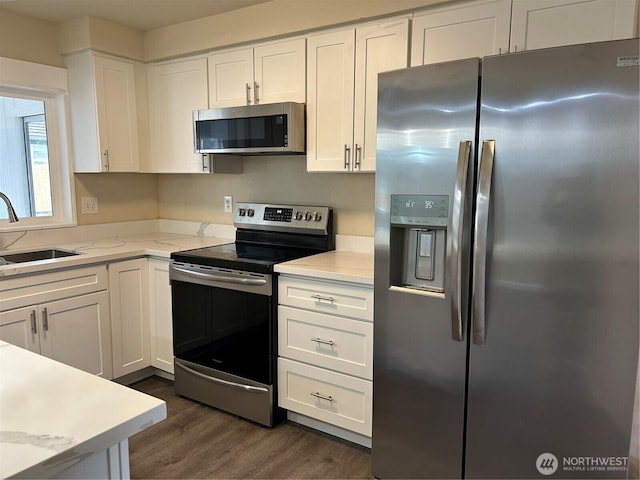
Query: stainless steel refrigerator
[{"x": 506, "y": 265}]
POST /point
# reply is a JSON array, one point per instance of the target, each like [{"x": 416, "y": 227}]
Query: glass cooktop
[{"x": 239, "y": 256}]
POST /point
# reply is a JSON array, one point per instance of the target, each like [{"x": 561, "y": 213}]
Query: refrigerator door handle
[
  {"x": 457, "y": 222},
  {"x": 480, "y": 241}
]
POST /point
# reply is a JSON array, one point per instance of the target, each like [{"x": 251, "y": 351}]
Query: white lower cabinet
[
  {"x": 129, "y": 297},
  {"x": 325, "y": 348},
  {"x": 66, "y": 324},
  {"x": 160, "y": 315}
]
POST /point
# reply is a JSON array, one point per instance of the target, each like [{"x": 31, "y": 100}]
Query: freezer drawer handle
[
  {"x": 322, "y": 397},
  {"x": 324, "y": 342},
  {"x": 456, "y": 238},
  {"x": 480, "y": 241},
  {"x": 321, "y": 298}
]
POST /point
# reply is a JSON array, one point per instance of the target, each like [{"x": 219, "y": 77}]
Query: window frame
[{"x": 49, "y": 85}]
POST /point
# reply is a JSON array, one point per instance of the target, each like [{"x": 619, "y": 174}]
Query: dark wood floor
[{"x": 196, "y": 441}]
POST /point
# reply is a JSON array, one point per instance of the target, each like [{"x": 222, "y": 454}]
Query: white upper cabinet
[
  {"x": 267, "y": 73},
  {"x": 175, "y": 90},
  {"x": 490, "y": 27},
  {"x": 551, "y": 23},
  {"x": 475, "y": 29},
  {"x": 104, "y": 121},
  {"x": 342, "y": 89}
]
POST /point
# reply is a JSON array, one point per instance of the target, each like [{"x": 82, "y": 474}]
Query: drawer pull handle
[
  {"x": 321, "y": 340},
  {"x": 323, "y": 397},
  {"x": 322, "y": 297}
]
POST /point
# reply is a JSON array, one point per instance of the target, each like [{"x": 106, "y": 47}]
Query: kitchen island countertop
[{"x": 53, "y": 417}]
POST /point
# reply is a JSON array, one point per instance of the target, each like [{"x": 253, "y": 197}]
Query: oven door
[
  {"x": 223, "y": 339},
  {"x": 222, "y": 319}
]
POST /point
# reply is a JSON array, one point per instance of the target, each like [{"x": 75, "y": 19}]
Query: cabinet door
[
  {"x": 552, "y": 23},
  {"x": 20, "y": 327},
  {"x": 175, "y": 90},
  {"x": 280, "y": 72},
  {"x": 231, "y": 78},
  {"x": 330, "y": 77},
  {"x": 379, "y": 48},
  {"x": 474, "y": 29},
  {"x": 76, "y": 332},
  {"x": 129, "y": 302},
  {"x": 160, "y": 314},
  {"x": 117, "y": 114}
]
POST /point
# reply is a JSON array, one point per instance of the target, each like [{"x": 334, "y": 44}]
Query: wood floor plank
[{"x": 197, "y": 441}]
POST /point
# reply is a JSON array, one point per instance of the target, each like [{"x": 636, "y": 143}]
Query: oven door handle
[
  {"x": 248, "y": 388},
  {"x": 220, "y": 278}
]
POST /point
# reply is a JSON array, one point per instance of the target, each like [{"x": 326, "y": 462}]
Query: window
[{"x": 34, "y": 165}]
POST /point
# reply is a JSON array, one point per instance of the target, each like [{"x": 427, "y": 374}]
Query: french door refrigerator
[{"x": 506, "y": 266}]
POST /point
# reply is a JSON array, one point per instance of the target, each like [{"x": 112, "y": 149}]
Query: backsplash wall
[{"x": 282, "y": 179}]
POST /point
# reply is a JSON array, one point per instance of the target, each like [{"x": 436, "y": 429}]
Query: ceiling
[{"x": 142, "y": 15}]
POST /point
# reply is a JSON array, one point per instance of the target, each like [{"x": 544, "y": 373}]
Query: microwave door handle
[
  {"x": 483, "y": 198},
  {"x": 457, "y": 224}
]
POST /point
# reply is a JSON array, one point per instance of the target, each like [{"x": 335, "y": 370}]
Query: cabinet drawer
[
  {"x": 32, "y": 289},
  {"x": 327, "y": 297},
  {"x": 326, "y": 341},
  {"x": 327, "y": 396}
]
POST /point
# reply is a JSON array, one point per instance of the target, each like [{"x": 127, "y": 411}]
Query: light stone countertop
[
  {"x": 343, "y": 266},
  {"x": 53, "y": 416},
  {"x": 118, "y": 247}
]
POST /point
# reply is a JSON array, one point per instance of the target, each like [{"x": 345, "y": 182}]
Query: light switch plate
[{"x": 228, "y": 204}]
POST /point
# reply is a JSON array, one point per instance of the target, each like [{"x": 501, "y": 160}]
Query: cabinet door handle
[
  {"x": 248, "y": 94},
  {"x": 45, "y": 319},
  {"x": 358, "y": 157},
  {"x": 106, "y": 160},
  {"x": 347, "y": 156},
  {"x": 323, "y": 397},
  {"x": 34, "y": 324},
  {"x": 322, "y": 297},
  {"x": 256, "y": 92},
  {"x": 323, "y": 341},
  {"x": 205, "y": 163}
]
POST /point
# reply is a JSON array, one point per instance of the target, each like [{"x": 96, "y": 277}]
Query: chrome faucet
[{"x": 12, "y": 213}]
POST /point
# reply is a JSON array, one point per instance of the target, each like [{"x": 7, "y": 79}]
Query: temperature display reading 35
[{"x": 420, "y": 210}]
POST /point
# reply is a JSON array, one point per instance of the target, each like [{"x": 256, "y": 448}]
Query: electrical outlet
[
  {"x": 89, "y": 204},
  {"x": 228, "y": 204}
]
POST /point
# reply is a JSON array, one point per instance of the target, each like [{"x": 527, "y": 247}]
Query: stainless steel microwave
[{"x": 269, "y": 129}]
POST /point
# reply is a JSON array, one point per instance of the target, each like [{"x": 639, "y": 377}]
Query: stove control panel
[{"x": 288, "y": 218}]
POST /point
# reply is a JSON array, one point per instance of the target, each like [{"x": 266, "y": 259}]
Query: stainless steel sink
[{"x": 47, "y": 254}]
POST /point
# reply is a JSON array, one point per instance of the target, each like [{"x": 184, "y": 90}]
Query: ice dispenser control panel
[{"x": 418, "y": 242}]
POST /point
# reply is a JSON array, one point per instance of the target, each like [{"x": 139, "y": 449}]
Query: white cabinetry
[
  {"x": 62, "y": 315},
  {"x": 160, "y": 315},
  {"x": 551, "y": 23},
  {"x": 342, "y": 89},
  {"x": 175, "y": 90},
  {"x": 129, "y": 298},
  {"x": 104, "y": 120},
  {"x": 325, "y": 347},
  {"x": 490, "y": 27},
  {"x": 473, "y": 29},
  {"x": 268, "y": 73}
]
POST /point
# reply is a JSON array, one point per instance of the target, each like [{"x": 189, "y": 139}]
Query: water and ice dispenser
[{"x": 418, "y": 243}]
